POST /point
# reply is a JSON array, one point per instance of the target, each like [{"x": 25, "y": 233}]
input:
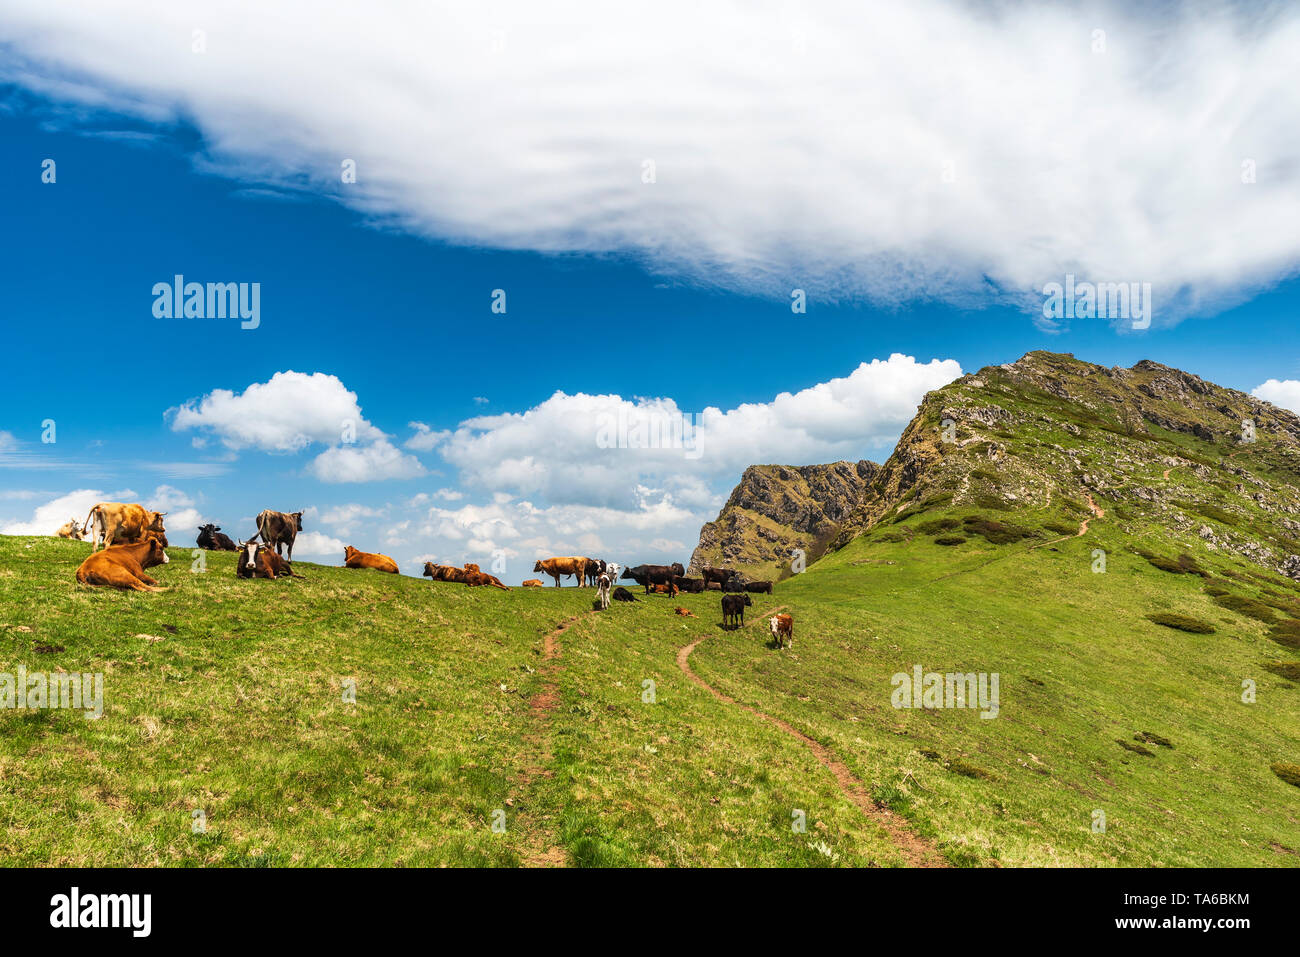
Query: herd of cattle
[{"x": 134, "y": 540}]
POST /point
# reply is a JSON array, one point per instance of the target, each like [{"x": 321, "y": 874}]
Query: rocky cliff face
[
  {"x": 1166, "y": 452},
  {"x": 779, "y": 508}
]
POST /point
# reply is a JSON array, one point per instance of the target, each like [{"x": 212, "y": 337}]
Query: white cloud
[
  {"x": 292, "y": 411},
  {"x": 47, "y": 518},
  {"x": 344, "y": 518},
  {"x": 526, "y": 126},
  {"x": 655, "y": 530},
  {"x": 371, "y": 463},
  {"x": 182, "y": 517},
  {"x": 593, "y": 448},
  {"x": 318, "y": 545},
  {"x": 285, "y": 414},
  {"x": 181, "y": 513},
  {"x": 1284, "y": 393},
  {"x": 424, "y": 439}
]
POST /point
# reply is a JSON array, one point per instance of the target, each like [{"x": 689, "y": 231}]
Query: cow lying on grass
[
  {"x": 122, "y": 566},
  {"x": 70, "y": 529},
  {"x": 531, "y": 583},
  {"x": 782, "y": 628},
  {"x": 622, "y": 594},
  {"x": 469, "y": 575},
  {"x": 212, "y": 539},
  {"x": 733, "y": 610},
  {"x": 353, "y": 558},
  {"x": 261, "y": 561}
]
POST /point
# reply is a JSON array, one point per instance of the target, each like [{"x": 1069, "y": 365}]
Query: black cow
[
  {"x": 734, "y": 584},
  {"x": 594, "y": 569},
  {"x": 648, "y": 575},
  {"x": 622, "y": 594},
  {"x": 688, "y": 585},
  {"x": 212, "y": 539},
  {"x": 756, "y": 587},
  {"x": 733, "y": 610}
]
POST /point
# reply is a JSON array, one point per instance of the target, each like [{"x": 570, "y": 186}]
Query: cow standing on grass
[
  {"x": 648, "y": 575},
  {"x": 557, "y": 568},
  {"x": 277, "y": 529},
  {"x": 602, "y": 590},
  {"x": 116, "y": 523},
  {"x": 733, "y": 610},
  {"x": 782, "y": 628}
]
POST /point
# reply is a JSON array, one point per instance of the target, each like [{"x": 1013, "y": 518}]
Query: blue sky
[{"x": 388, "y": 291}]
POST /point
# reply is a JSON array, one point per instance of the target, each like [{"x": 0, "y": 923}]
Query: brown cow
[
  {"x": 357, "y": 559},
  {"x": 70, "y": 529},
  {"x": 162, "y": 539},
  {"x": 260, "y": 561},
  {"x": 122, "y": 566},
  {"x": 558, "y": 567},
  {"x": 782, "y": 628},
  {"x": 115, "y": 522},
  {"x": 533, "y": 583},
  {"x": 444, "y": 573},
  {"x": 477, "y": 579},
  {"x": 665, "y": 589},
  {"x": 278, "y": 529}
]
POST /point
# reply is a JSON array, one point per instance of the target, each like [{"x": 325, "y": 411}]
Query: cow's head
[
  {"x": 297, "y": 520},
  {"x": 678, "y": 569},
  {"x": 348, "y": 552},
  {"x": 538, "y": 567},
  {"x": 428, "y": 569},
  {"x": 209, "y": 528},
  {"x": 156, "y": 554},
  {"x": 247, "y": 557},
  {"x": 627, "y": 573},
  {"x": 747, "y": 601},
  {"x": 772, "y": 622},
  {"x": 156, "y": 521}
]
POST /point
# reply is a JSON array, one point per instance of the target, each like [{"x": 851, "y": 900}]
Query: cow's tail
[{"x": 94, "y": 539}]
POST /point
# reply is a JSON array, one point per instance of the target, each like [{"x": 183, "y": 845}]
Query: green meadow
[{"x": 352, "y": 718}]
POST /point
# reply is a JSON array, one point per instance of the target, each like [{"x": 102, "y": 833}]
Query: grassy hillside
[{"x": 226, "y": 696}]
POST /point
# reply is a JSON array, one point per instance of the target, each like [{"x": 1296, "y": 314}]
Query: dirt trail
[
  {"x": 916, "y": 851},
  {"x": 1097, "y": 512},
  {"x": 540, "y": 850}
]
